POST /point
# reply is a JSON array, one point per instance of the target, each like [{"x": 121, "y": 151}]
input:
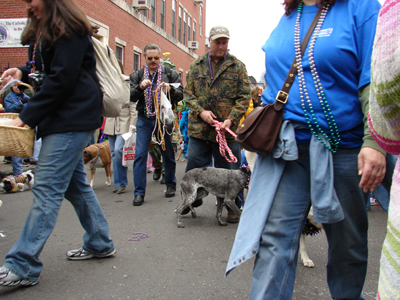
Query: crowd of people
[{"x": 326, "y": 155}]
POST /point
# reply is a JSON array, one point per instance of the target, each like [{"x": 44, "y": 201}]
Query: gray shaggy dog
[{"x": 223, "y": 183}]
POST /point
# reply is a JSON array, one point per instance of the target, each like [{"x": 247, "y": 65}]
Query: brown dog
[{"x": 98, "y": 156}]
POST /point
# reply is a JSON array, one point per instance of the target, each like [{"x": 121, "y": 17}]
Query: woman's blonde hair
[{"x": 59, "y": 19}]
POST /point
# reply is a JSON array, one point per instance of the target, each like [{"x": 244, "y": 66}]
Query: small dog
[
  {"x": 98, "y": 156},
  {"x": 20, "y": 183},
  {"x": 310, "y": 228},
  {"x": 223, "y": 183},
  {"x": 181, "y": 147}
]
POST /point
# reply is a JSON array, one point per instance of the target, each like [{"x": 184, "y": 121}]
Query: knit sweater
[{"x": 384, "y": 123}]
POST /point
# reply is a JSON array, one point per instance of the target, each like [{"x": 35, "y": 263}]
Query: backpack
[{"x": 114, "y": 85}]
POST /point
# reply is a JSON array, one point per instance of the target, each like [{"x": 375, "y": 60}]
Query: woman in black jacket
[{"x": 66, "y": 110}]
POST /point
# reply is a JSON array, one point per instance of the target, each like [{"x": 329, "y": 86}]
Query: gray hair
[{"x": 152, "y": 47}]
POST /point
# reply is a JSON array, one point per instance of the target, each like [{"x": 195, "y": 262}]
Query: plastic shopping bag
[
  {"x": 167, "y": 115},
  {"x": 128, "y": 153}
]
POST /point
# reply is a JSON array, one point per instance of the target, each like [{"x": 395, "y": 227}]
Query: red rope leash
[{"x": 223, "y": 145}]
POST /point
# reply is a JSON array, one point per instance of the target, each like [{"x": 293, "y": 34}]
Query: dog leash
[{"x": 223, "y": 145}]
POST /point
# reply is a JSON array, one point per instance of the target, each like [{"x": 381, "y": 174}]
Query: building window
[
  {"x": 194, "y": 30},
  {"x": 136, "y": 61},
  {"x": 162, "y": 15},
  {"x": 119, "y": 53},
  {"x": 201, "y": 20},
  {"x": 189, "y": 30},
  {"x": 173, "y": 17},
  {"x": 153, "y": 11},
  {"x": 180, "y": 25},
  {"x": 184, "y": 27}
]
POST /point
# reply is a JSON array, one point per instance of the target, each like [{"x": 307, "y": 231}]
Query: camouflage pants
[{"x": 155, "y": 154}]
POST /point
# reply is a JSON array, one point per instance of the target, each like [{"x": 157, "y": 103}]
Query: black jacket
[
  {"x": 68, "y": 101},
  {"x": 167, "y": 75}
]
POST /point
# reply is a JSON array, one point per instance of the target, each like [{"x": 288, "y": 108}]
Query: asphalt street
[{"x": 156, "y": 259}]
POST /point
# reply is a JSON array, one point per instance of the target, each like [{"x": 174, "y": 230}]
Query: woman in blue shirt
[{"x": 326, "y": 148}]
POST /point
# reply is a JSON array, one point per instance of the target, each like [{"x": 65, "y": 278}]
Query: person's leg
[
  {"x": 16, "y": 165},
  {"x": 199, "y": 154},
  {"x": 348, "y": 239},
  {"x": 144, "y": 129},
  {"x": 156, "y": 162},
  {"x": 58, "y": 159},
  {"x": 221, "y": 161},
  {"x": 111, "y": 140},
  {"x": 168, "y": 156},
  {"x": 122, "y": 171},
  {"x": 91, "y": 216},
  {"x": 275, "y": 264}
]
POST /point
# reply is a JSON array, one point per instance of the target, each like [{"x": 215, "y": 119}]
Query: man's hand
[
  {"x": 226, "y": 125},
  {"x": 144, "y": 84},
  {"x": 208, "y": 116},
  {"x": 371, "y": 168},
  {"x": 165, "y": 87}
]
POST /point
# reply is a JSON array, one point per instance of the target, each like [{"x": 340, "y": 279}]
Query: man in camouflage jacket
[{"x": 217, "y": 90}]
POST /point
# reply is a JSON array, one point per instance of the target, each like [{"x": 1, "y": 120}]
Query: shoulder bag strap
[{"x": 283, "y": 94}]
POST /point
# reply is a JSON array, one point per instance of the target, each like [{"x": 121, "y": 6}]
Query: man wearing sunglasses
[
  {"x": 217, "y": 90},
  {"x": 143, "y": 83}
]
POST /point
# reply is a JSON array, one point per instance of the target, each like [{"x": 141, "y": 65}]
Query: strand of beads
[
  {"x": 33, "y": 61},
  {"x": 312, "y": 122},
  {"x": 148, "y": 93}
]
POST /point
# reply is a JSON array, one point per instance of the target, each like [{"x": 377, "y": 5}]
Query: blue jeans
[
  {"x": 59, "y": 174},
  {"x": 200, "y": 154},
  {"x": 120, "y": 172},
  {"x": 16, "y": 165},
  {"x": 275, "y": 265},
  {"x": 144, "y": 130}
]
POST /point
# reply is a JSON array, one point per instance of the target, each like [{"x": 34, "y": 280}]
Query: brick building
[{"x": 126, "y": 27}]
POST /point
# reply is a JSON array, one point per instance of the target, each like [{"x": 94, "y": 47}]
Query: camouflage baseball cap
[{"x": 219, "y": 32}]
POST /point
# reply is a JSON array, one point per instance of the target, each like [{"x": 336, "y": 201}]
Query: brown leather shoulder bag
[{"x": 260, "y": 129}]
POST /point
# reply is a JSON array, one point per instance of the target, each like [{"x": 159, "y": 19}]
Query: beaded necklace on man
[
  {"x": 148, "y": 92},
  {"x": 334, "y": 137}
]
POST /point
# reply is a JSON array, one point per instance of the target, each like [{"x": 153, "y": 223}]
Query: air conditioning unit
[
  {"x": 193, "y": 45},
  {"x": 198, "y": 1},
  {"x": 141, "y": 4}
]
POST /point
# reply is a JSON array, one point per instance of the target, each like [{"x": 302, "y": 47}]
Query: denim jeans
[
  {"x": 120, "y": 172},
  {"x": 144, "y": 130},
  {"x": 200, "y": 154},
  {"x": 59, "y": 174},
  {"x": 16, "y": 165},
  {"x": 275, "y": 265}
]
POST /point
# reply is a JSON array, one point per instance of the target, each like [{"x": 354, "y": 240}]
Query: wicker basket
[{"x": 16, "y": 141}]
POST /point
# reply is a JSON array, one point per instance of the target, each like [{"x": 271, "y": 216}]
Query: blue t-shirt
[{"x": 342, "y": 56}]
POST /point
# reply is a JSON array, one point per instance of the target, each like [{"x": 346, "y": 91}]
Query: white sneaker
[
  {"x": 8, "y": 278},
  {"x": 81, "y": 254}
]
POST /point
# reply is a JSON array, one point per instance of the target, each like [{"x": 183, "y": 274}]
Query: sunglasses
[{"x": 151, "y": 57}]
